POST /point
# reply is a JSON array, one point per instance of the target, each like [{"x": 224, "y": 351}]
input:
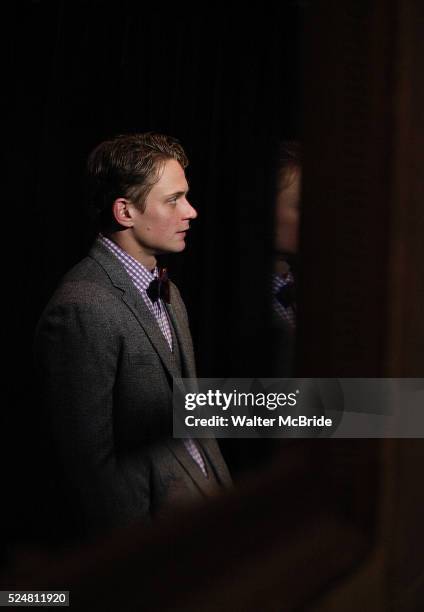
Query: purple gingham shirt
[
  {"x": 142, "y": 277},
  {"x": 286, "y": 313}
]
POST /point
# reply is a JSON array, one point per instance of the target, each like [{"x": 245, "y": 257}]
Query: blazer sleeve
[{"x": 77, "y": 353}]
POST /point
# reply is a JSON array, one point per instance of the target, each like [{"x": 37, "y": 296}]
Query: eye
[{"x": 173, "y": 200}]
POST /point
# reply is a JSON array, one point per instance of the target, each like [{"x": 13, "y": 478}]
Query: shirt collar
[
  {"x": 279, "y": 281},
  {"x": 139, "y": 273}
]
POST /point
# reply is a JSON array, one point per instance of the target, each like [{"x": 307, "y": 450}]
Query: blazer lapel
[
  {"x": 188, "y": 369},
  {"x": 135, "y": 303},
  {"x": 209, "y": 446},
  {"x": 190, "y": 466},
  {"x": 215, "y": 462},
  {"x": 211, "y": 449}
]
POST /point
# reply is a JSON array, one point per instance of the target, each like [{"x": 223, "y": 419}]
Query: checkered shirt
[
  {"x": 142, "y": 277},
  {"x": 287, "y": 313}
]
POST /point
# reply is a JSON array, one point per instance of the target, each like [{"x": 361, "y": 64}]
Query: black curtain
[{"x": 226, "y": 83}]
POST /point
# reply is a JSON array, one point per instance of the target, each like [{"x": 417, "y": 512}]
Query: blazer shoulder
[
  {"x": 85, "y": 284},
  {"x": 88, "y": 269}
]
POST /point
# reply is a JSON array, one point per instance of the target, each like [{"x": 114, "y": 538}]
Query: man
[
  {"x": 287, "y": 229},
  {"x": 285, "y": 249},
  {"x": 109, "y": 344}
]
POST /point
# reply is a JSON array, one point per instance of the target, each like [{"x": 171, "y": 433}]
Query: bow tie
[
  {"x": 159, "y": 287},
  {"x": 287, "y": 295}
]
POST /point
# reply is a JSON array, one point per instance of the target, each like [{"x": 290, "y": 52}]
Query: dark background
[{"x": 227, "y": 84}]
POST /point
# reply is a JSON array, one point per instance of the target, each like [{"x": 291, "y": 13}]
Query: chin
[
  {"x": 179, "y": 246},
  {"x": 175, "y": 248}
]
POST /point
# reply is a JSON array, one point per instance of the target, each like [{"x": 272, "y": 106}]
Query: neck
[
  {"x": 125, "y": 240},
  {"x": 281, "y": 267}
]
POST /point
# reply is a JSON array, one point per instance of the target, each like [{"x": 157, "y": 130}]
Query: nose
[{"x": 191, "y": 212}]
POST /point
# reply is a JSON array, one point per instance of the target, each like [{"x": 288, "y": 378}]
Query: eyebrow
[{"x": 177, "y": 193}]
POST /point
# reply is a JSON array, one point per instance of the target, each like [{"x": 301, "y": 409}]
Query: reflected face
[
  {"x": 287, "y": 212},
  {"x": 162, "y": 226}
]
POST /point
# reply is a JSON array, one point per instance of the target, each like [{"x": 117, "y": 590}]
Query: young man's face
[
  {"x": 287, "y": 213},
  {"x": 162, "y": 226}
]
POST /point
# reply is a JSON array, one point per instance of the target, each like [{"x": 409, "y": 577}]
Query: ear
[{"x": 122, "y": 211}]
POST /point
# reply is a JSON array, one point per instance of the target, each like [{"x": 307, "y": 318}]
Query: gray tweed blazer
[{"x": 105, "y": 373}]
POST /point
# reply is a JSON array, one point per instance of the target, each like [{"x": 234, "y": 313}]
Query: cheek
[
  {"x": 158, "y": 224},
  {"x": 288, "y": 218},
  {"x": 165, "y": 226}
]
